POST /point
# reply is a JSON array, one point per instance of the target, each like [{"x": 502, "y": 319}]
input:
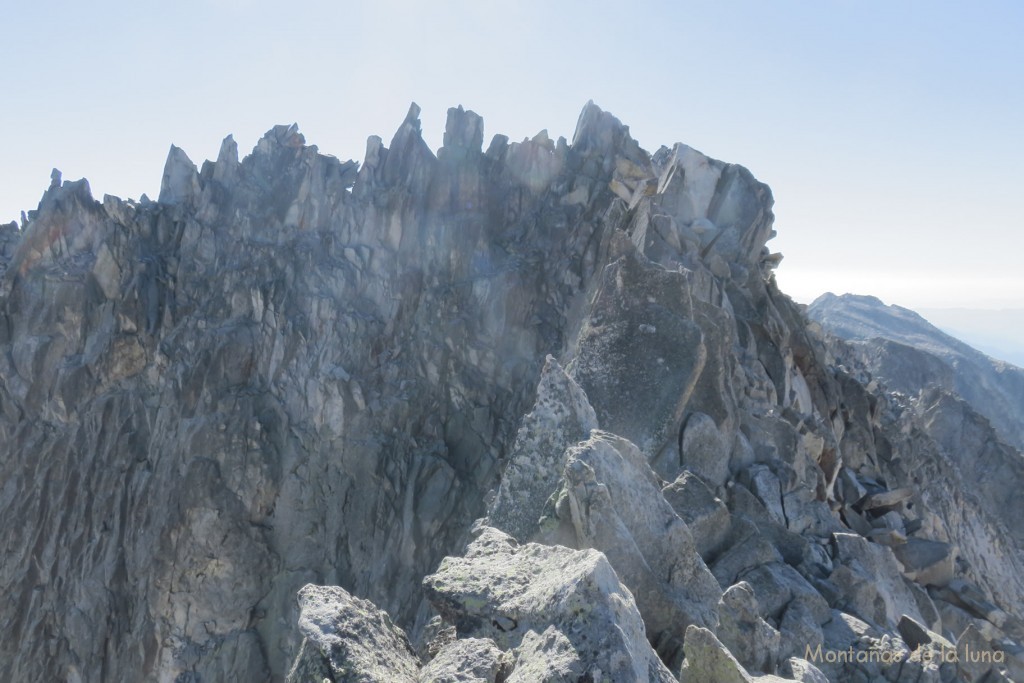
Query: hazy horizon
[{"x": 996, "y": 332}]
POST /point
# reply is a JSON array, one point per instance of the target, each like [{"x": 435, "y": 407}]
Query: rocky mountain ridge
[
  {"x": 530, "y": 413},
  {"x": 908, "y": 353}
]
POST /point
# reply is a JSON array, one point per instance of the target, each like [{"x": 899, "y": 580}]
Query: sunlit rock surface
[{"x": 293, "y": 370}]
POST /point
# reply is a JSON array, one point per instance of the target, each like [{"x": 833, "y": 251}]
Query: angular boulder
[
  {"x": 616, "y": 506},
  {"x": 546, "y": 602},
  {"x": 348, "y": 640}
]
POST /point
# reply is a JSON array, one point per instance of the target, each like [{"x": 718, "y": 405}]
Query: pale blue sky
[{"x": 890, "y": 132}]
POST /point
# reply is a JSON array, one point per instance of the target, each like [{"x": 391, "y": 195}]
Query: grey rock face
[
  {"x": 801, "y": 670},
  {"x": 929, "y": 563},
  {"x": 703, "y": 451},
  {"x": 563, "y": 611},
  {"x": 560, "y": 418},
  {"x": 871, "y": 582},
  {"x": 707, "y": 659},
  {"x": 640, "y": 353},
  {"x": 470, "y": 660},
  {"x": 705, "y": 515},
  {"x": 338, "y": 353},
  {"x": 348, "y": 639},
  {"x": 293, "y": 370},
  {"x": 751, "y": 639},
  {"x": 616, "y": 506},
  {"x": 859, "y": 651}
]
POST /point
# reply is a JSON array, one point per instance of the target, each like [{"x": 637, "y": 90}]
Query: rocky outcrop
[
  {"x": 561, "y": 417},
  {"x": 348, "y": 639},
  {"x": 289, "y": 370},
  {"x": 563, "y": 613},
  {"x": 530, "y": 413}
]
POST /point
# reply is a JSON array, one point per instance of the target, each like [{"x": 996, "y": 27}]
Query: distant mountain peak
[{"x": 993, "y": 387}]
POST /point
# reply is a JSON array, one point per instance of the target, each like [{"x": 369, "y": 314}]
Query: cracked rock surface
[{"x": 534, "y": 411}]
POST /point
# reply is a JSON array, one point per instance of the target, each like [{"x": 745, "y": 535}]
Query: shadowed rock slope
[{"x": 530, "y": 413}]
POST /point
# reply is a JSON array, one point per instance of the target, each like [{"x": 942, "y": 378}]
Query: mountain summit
[{"x": 529, "y": 412}]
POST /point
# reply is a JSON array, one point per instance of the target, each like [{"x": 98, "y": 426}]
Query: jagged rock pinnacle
[{"x": 294, "y": 370}]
